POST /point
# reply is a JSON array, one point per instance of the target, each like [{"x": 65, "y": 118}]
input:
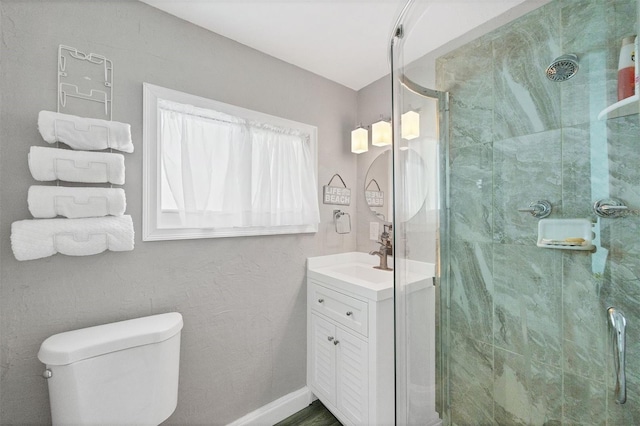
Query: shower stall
[{"x": 526, "y": 323}]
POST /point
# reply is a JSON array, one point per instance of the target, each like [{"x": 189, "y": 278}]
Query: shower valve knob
[
  {"x": 538, "y": 209},
  {"x": 609, "y": 207}
]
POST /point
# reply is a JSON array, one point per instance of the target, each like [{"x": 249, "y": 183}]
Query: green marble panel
[
  {"x": 526, "y": 102},
  {"x": 472, "y": 193},
  {"x": 623, "y": 14},
  {"x": 528, "y": 302},
  {"x": 584, "y": 318},
  {"x": 576, "y": 169},
  {"x": 526, "y": 168},
  {"x": 526, "y": 392},
  {"x": 584, "y": 401},
  {"x": 471, "y": 388},
  {"x": 586, "y": 32},
  {"x": 592, "y": 89},
  {"x": 585, "y": 24},
  {"x": 467, "y": 74},
  {"x": 471, "y": 312},
  {"x": 624, "y": 159}
]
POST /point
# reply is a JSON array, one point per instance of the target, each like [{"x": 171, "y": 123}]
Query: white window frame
[{"x": 152, "y": 214}]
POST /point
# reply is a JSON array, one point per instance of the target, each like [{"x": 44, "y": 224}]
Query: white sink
[
  {"x": 364, "y": 272},
  {"x": 354, "y": 272}
]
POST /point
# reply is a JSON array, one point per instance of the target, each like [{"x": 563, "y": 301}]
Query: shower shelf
[
  {"x": 621, "y": 108},
  {"x": 562, "y": 234}
]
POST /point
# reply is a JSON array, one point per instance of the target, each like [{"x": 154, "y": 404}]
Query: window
[{"x": 217, "y": 170}]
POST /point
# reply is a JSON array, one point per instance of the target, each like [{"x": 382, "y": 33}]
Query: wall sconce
[
  {"x": 359, "y": 140},
  {"x": 410, "y": 122},
  {"x": 381, "y": 133}
]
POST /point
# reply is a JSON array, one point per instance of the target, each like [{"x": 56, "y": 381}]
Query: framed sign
[
  {"x": 374, "y": 198},
  {"x": 338, "y": 195}
]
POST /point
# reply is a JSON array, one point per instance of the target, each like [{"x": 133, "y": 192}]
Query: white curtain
[{"x": 221, "y": 171}]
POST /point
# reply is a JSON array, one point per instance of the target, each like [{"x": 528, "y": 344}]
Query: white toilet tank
[{"x": 124, "y": 373}]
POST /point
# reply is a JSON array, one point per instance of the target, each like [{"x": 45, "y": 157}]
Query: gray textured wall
[{"x": 243, "y": 299}]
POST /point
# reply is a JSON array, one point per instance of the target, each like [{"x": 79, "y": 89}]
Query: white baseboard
[{"x": 277, "y": 410}]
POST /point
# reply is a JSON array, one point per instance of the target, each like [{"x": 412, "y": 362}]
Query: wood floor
[{"x": 314, "y": 415}]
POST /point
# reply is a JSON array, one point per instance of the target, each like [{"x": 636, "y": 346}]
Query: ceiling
[{"x": 343, "y": 40}]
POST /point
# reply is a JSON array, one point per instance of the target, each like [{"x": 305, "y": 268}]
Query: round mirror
[
  {"x": 377, "y": 187},
  {"x": 378, "y": 190}
]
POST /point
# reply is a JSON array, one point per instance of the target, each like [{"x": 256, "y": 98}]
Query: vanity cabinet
[
  {"x": 339, "y": 369},
  {"x": 350, "y": 352},
  {"x": 350, "y": 345}
]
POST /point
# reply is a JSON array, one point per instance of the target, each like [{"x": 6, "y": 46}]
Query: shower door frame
[{"x": 401, "y": 82}]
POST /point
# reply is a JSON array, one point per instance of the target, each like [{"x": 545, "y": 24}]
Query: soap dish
[{"x": 565, "y": 234}]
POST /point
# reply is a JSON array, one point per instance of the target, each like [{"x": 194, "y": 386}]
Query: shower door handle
[{"x": 618, "y": 324}]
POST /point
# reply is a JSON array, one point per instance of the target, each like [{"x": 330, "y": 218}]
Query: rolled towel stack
[
  {"x": 94, "y": 217},
  {"x": 52, "y": 201},
  {"x": 35, "y": 239},
  {"x": 89, "y": 134},
  {"x": 47, "y": 164}
]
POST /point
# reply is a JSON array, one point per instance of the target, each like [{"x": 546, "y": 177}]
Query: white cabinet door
[
  {"x": 323, "y": 358},
  {"x": 352, "y": 377}
]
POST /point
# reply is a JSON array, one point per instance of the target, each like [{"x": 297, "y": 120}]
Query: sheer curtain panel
[{"x": 224, "y": 171}]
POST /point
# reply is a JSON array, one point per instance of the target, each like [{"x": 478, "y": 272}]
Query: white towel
[
  {"x": 52, "y": 201},
  {"x": 90, "y": 134},
  {"x": 48, "y": 164},
  {"x": 34, "y": 239}
]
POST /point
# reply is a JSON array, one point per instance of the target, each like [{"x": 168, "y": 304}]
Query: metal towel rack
[{"x": 97, "y": 78}]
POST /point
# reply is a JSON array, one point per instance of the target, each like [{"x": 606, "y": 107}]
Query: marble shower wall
[{"x": 527, "y": 334}]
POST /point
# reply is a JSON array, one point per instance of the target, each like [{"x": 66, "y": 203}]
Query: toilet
[{"x": 123, "y": 373}]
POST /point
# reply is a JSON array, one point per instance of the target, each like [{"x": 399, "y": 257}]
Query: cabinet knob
[
  {"x": 330, "y": 338},
  {"x": 335, "y": 342},
  {"x": 349, "y": 313},
  {"x": 320, "y": 300}
]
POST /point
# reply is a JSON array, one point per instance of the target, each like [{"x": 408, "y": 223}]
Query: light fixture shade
[
  {"x": 359, "y": 140},
  {"x": 381, "y": 133},
  {"x": 410, "y": 122}
]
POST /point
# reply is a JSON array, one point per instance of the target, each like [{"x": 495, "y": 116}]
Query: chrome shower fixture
[{"x": 563, "y": 68}]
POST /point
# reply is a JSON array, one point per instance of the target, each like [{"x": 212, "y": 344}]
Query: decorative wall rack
[{"x": 84, "y": 76}]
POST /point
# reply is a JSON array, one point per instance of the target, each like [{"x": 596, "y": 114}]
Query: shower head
[{"x": 563, "y": 68}]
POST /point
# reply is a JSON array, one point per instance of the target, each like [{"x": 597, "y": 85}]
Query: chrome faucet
[{"x": 386, "y": 248}]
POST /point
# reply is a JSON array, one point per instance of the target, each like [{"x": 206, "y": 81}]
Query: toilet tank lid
[{"x": 76, "y": 345}]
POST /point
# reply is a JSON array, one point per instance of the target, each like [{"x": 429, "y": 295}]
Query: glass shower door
[
  {"x": 521, "y": 329},
  {"x": 417, "y": 148}
]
